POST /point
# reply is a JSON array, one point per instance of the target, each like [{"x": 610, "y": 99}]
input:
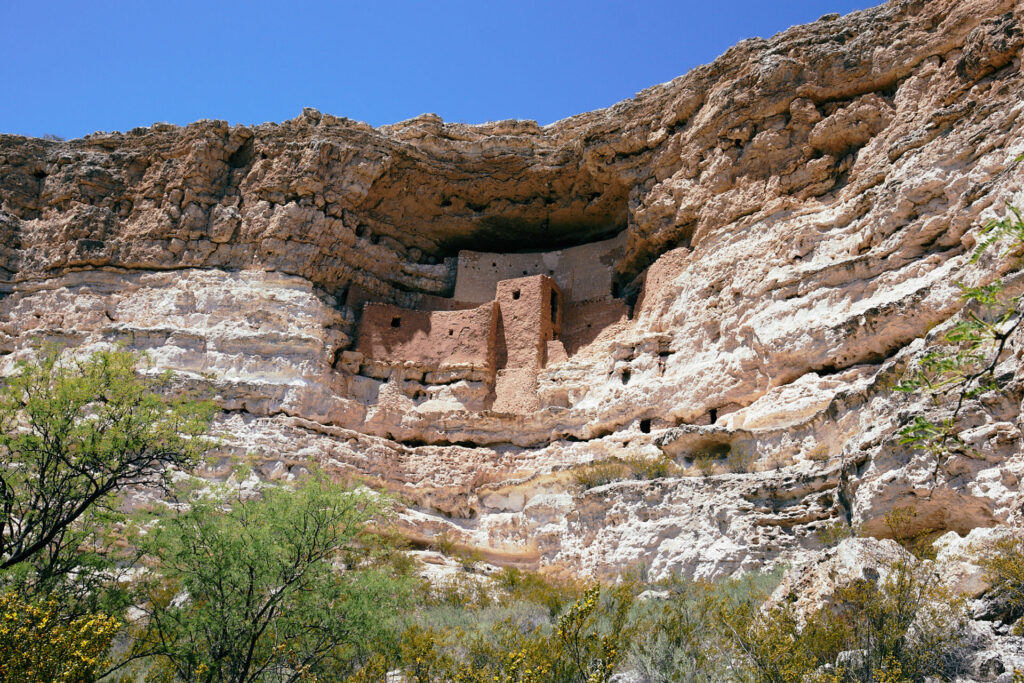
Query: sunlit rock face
[{"x": 738, "y": 263}]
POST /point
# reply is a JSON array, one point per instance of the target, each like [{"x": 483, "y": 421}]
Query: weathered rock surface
[{"x": 792, "y": 219}]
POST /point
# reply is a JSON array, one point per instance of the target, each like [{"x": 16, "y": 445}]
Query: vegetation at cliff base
[{"x": 303, "y": 583}]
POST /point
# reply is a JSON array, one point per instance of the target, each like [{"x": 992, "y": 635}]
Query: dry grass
[
  {"x": 618, "y": 469},
  {"x": 819, "y": 453}
]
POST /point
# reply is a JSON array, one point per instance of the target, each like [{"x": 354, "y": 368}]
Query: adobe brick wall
[
  {"x": 531, "y": 315},
  {"x": 433, "y": 339},
  {"x": 581, "y": 273},
  {"x": 527, "y": 325},
  {"x": 431, "y": 302}
]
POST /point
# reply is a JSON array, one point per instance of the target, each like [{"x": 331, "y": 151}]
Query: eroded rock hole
[
  {"x": 625, "y": 377},
  {"x": 645, "y": 426},
  {"x": 242, "y": 156}
]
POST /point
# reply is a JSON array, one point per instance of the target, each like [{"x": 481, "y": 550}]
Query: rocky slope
[{"x": 795, "y": 215}]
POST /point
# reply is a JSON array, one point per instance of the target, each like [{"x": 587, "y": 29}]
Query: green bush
[
  {"x": 834, "y": 532},
  {"x": 255, "y": 592}
]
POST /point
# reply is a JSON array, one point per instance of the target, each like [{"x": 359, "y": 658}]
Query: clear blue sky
[{"x": 71, "y": 68}]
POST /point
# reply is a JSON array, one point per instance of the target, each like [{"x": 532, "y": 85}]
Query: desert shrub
[
  {"x": 906, "y": 627},
  {"x": 651, "y": 468},
  {"x": 834, "y": 532},
  {"x": 531, "y": 587},
  {"x": 1003, "y": 561},
  {"x": 518, "y": 639},
  {"x": 463, "y": 591},
  {"x": 444, "y": 544},
  {"x": 682, "y": 636},
  {"x": 38, "y": 645},
  {"x": 373, "y": 670},
  {"x": 779, "y": 459},
  {"x": 682, "y": 642},
  {"x": 903, "y": 529},
  {"x": 422, "y": 651},
  {"x": 819, "y": 453},
  {"x": 584, "y": 646},
  {"x": 740, "y": 460},
  {"x": 585, "y": 654},
  {"x": 601, "y": 473},
  {"x": 910, "y": 619},
  {"x": 616, "y": 469},
  {"x": 706, "y": 463},
  {"x": 773, "y": 643},
  {"x": 254, "y": 592}
]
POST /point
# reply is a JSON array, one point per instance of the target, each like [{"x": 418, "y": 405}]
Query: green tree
[
  {"x": 962, "y": 365},
  {"x": 74, "y": 434},
  {"x": 255, "y": 593}
]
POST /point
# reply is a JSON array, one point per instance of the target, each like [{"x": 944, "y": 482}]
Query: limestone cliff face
[{"x": 741, "y": 260}]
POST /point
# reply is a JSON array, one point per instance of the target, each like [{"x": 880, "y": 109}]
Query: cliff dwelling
[{"x": 510, "y": 316}]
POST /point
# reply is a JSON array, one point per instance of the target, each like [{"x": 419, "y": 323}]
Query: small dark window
[
  {"x": 713, "y": 414},
  {"x": 515, "y": 293},
  {"x": 451, "y": 333},
  {"x": 625, "y": 376},
  {"x": 554, "y": 306},
  {"x": 524, "y": 272},
  {"x": 494, "y": 265},
  {"x": 396, "y": 322},
  {"x": 645, "y": 426}
]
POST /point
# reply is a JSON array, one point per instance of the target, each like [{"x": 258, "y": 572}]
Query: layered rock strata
[{"x": 786, "y": 225}]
